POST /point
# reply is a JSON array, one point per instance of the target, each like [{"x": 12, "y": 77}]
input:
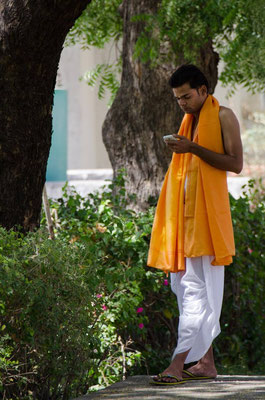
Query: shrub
[
  {"x": 241, "y": 345},
  {"x": 118, "y": 240},
  {"x": 75, "y": 308},
  {"x": 84, "y": 310},
  {"x": 49, "y": 315}
]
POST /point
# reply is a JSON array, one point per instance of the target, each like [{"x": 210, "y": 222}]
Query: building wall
[{"x": 86, "y": 112}]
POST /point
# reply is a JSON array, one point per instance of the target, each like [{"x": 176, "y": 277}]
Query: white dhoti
[{"x": 199, "y": 291}]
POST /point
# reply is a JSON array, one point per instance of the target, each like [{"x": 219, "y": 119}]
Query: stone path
[{"x": 225, "y": 387}]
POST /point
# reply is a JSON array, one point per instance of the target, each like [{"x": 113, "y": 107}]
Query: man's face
[{"x": 190, "y": 100}]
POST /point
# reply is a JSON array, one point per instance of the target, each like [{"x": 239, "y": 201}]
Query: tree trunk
[
  {"x": 144, "y": 110},
  {"x": 32, "y": 33}
]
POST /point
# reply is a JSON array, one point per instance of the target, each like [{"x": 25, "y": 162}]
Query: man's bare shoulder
[
  {"x": 225, "y": 112},
  {"x": 228, "y": 119}
]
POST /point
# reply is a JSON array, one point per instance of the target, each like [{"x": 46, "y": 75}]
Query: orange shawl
[{"x": 212, "y": 217}]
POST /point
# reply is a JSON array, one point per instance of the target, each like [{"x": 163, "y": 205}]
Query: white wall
[{"x": 86, "y": 112}]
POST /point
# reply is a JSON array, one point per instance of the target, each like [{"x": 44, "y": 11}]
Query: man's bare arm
[{"x": 232, "y": 160}]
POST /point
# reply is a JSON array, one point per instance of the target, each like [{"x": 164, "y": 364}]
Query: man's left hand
[{"x": 182, "y": 145}]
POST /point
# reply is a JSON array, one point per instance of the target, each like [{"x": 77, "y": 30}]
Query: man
[{"x": 192, "y": 234}]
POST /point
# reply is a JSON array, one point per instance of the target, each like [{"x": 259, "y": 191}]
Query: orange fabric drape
[{"x": 178, "y": 233}]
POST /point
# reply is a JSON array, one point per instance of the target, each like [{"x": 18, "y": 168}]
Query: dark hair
[{"x": 188, "y": 73}]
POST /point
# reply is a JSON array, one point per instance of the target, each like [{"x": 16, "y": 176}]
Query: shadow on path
[{"x": 224, "y": 387}]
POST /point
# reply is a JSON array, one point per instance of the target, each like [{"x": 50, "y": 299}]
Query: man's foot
[
  {"x": 169, "y": 376},
  {"x": 173, "y": 371},
  {"x": 201, "y": 370},
  {"x": 204, "y": 367},
  {"x": 189, "y": 376},
  {"x": 168, "y": 379}
]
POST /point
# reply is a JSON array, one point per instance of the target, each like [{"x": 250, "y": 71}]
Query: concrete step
[
  {"x": 89, "y": 174},
  {"x": 54, "y": 189},
  {"x": 224, "y": 387}
]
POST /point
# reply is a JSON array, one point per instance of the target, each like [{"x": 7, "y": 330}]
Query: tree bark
[
  {"x": 144, "y": 110},
  {"x": 32, "y": 33}
]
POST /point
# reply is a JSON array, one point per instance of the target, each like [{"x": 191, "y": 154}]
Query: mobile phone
[{"x": 169, "y": 138}]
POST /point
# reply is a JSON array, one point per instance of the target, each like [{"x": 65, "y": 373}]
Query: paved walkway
[{"x": 225, "y": 387}]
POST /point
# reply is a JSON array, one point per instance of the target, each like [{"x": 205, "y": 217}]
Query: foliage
[
  {"x": 83, "y": 310},
  {"x": 242, "y": 47},
  {"x": 241, "y": 346},
  {"x": 119, "y": 244},
  {"x": 48, "y": 314},
  {"x": 73, "y": 308},
  {"x": 99, "y": 24},
  {"x": 180, "y": 28},
  {"x": 107, "y": 77}
]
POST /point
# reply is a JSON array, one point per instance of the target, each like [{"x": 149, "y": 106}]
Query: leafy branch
[{"x": 107, "y": 77}]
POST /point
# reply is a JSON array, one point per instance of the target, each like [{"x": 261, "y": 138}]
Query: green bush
[
  {"x": 136, "y": 296},
  {"x": 241, "y": 346},
  {"x": 48, "y": 313},
  {"x": 80, "y": 312}
]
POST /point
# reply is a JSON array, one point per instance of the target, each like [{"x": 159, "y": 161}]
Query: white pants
[{"x": 199, "y": 291}]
